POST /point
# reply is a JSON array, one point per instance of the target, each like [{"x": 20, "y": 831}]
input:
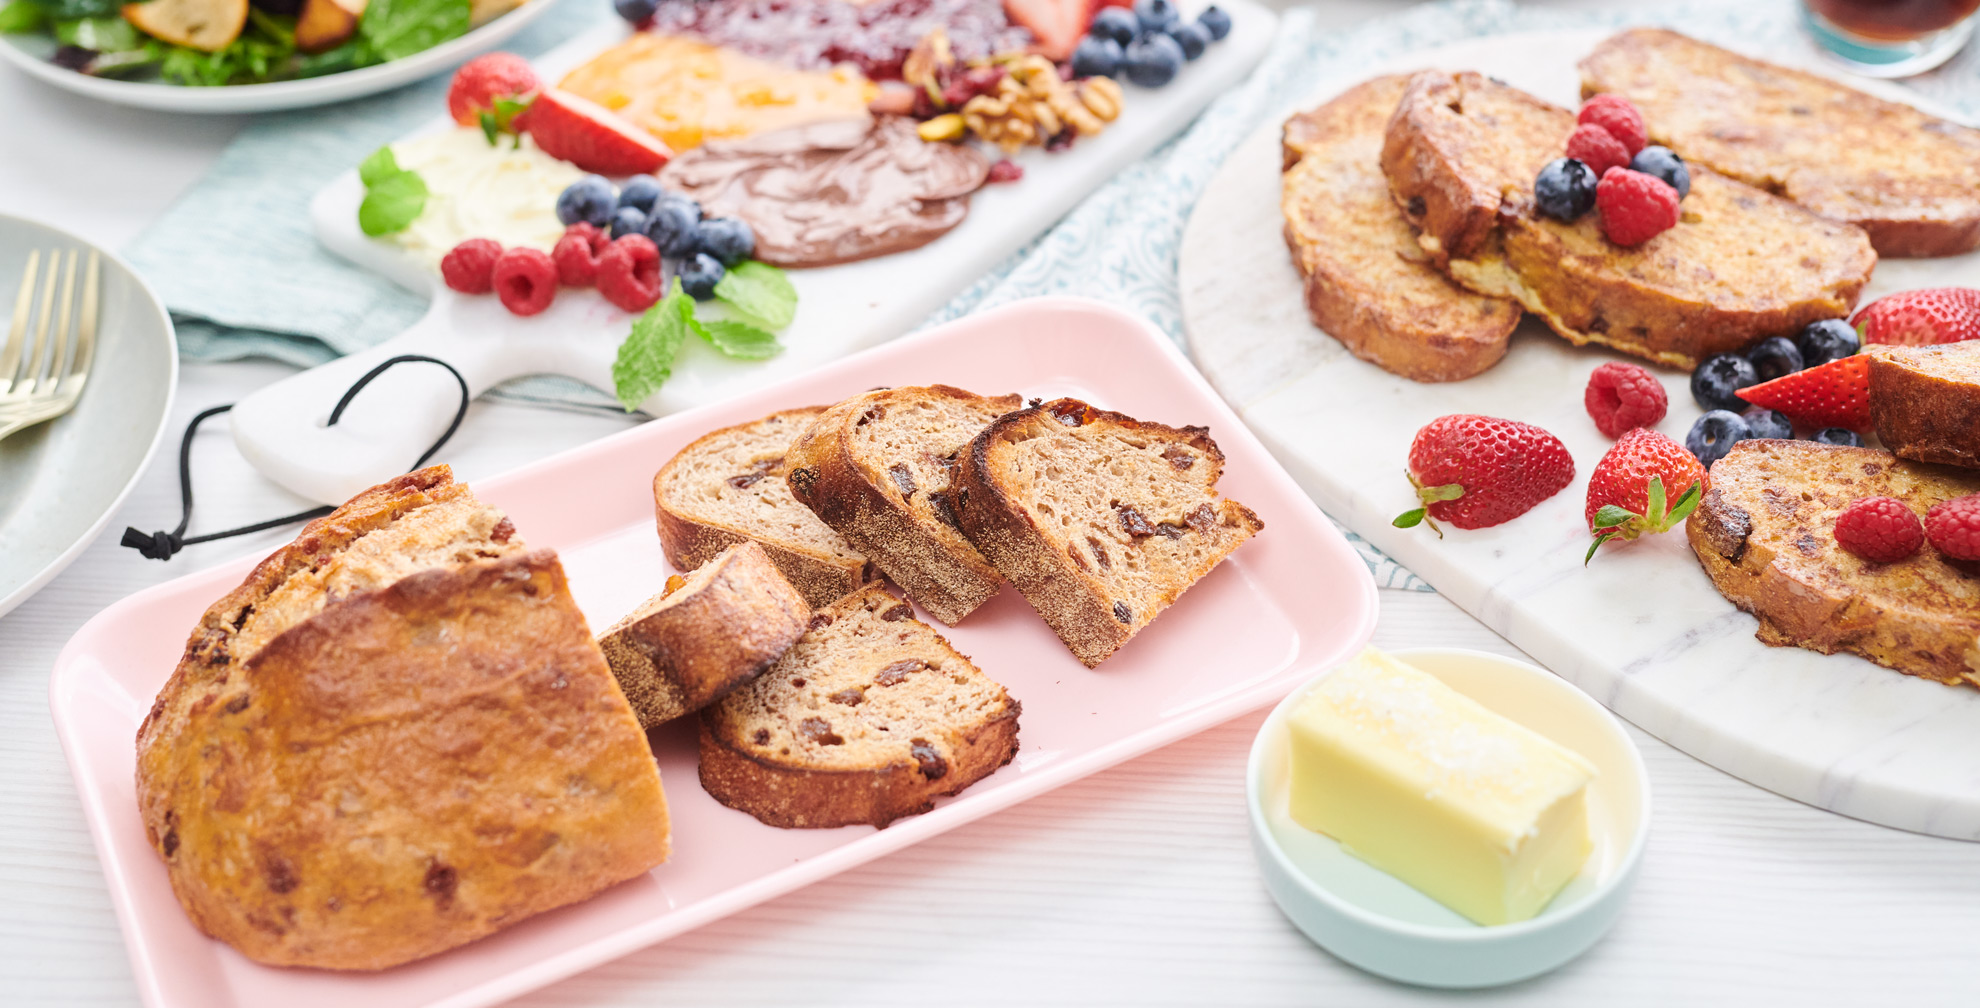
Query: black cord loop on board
[{"x": 163, "y": 545}]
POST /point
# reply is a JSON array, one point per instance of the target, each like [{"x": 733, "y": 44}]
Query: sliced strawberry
[
  {"x": 590, "y": 135},
  {"x": 1920, "y": 317},
  {"x": 1836, "y": 394},
  {"x": 1055, "y": 25}
]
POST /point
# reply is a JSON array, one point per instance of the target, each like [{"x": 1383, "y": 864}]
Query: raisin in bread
[
  {"x": 1101, "y": 520},
  {"x": 878, "y": 468},
  {"x": 395, "y": 737},
  {"x": 869, "y": 717},
  {"x": 728, "y": 487},
  {"x": 708, "y": 633},
  {"x": 1925, "y": 401}
]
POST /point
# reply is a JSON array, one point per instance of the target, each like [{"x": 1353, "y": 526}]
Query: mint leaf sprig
[
  {"x": 758, "y": 296},
  {"x": 393, "y": 196}
]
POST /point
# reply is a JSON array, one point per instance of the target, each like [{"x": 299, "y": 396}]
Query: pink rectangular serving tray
[{"x": 1288, "y": 604}]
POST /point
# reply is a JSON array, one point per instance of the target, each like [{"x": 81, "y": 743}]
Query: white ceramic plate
[
  {"x": 30, "y": 52},
  {"x": 62, "y": 480},
  {"x": 1379, "y": 923}
]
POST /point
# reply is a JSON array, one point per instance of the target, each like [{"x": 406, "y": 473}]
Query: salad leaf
[
  {"x": 69, "y": 10},
  {"x": 22, "y": 16},
  {"x": 646, "y": 358},
  {"x": 741, "y": 340},
  {"x": 102, "y": 34},
  {"x": 760, "y": 291},
  {"x": 264, "y": 51},
  {"x": 398, "y": 28},
  {"x": 392, "y": 203}
]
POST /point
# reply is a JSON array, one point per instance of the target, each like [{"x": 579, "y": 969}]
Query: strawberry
[
  {"x": 1836, "y": 394},
  {"x": 1628, "y": 492},
  {"x": 1055, "y": 25},
  {"x": 491, "y": 90},
  {"x": 1919, "y": 317},
  {"x": 590, "y": 135},
  {"x": 1476, "y": 471}
]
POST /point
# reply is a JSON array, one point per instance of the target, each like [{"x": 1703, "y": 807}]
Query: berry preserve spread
[
  {"x": 875, "y": 35},
  {"x": 833, "y": 192},
  {"x": 685, "y": 92}
]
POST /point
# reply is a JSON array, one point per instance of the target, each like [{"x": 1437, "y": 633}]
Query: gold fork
[{"x": 46, "y": 357}]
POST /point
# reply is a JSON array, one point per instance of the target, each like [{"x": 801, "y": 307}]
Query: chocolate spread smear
[{"x": 833, "y": 192}]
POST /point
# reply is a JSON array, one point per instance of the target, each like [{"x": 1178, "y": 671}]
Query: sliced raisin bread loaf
[
  {"x": 868, "y": 718},
  {"x": 878, "y": 467},
  {"x": 708, "y": 633},
  {"x": 395, "y": 737},
  {"x": 729, "y": 486},
  {"x": 1101, "y": 520}
]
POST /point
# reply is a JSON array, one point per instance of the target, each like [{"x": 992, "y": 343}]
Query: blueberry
[
  {"x": 728, "y": 239},
  {"x": 1714, "y": 435},
  {"x": 1665, "y": 164},
  {"x": 1155, "y": 15},
  {"x": 1715, "y": 381},
  {"x": 589, "y": 199},
  {"x": 639, "y": 192},
  {"x": 1153, "y": 61},
  {"x": 1215, "y": 21},
  {"x": 674, "y": 227},
  {"x": 1766, "y": 423},
  {"x": 1837, "y": 435},
  {"x": 628, "y": 220},
  {"x": 1775, "y": 356},
  {"x": 1565, "y": 189},
  {"x": 1192, "y": 38},
  {"x": 700, "y": 275},
  {"x": 636, "y": 11},
  {"x": 1827, "y": 340},
  {"x": 1117, "y": 23},
  {"x": 1097, "y": 56}
]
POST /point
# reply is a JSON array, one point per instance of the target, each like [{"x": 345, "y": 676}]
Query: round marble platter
[{"x": 1641, "y": 628}]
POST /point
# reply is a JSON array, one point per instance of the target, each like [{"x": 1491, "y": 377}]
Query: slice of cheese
[{"x": 1482, "y": 814}]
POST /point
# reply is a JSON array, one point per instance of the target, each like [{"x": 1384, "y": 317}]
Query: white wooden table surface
[{"x": 1135, "y": 886}]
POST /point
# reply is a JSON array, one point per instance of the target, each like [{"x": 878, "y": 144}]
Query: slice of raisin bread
[
  {"x": 878, "y": 467},
  {"x": 1101, "y": 520},
  {"x": 869, "y": 717},
  {"x": 728, "y": 486},
  {"x": 708, "y": 633}
]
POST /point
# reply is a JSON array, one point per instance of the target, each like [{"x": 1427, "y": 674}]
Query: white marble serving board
[
  {"x": 1641, "y": 628},
  {"x": 841, "y": 309}
]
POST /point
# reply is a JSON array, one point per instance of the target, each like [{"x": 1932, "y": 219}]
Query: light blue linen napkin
[{"x": 236, "y": 262}]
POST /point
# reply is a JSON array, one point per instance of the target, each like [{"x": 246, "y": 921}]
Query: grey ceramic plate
[{"x": 62, "y": 480}]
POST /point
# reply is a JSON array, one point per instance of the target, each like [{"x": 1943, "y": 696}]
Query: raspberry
[
  {"x": 576, "y": 254},
  {"x": 1880, "y": 529},
  {"x": 629, "y": 273},
  {"x": 470, "y": 267},
  {"x": 1615, "y": 114},
  {"x": 1954, "y": 527},
  {"x": 525, "y": 280},
  {"x": 1621, "y": 397},
  {"x": 1635, "y": 207},
  {"x": 1595, "y": 147},
  {"x": 1005, "y": 171}
]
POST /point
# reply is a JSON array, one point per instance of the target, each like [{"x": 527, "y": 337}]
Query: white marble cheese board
[
  {"x": 281, "y": 429},
  {"x": 1641, "y": 628}
]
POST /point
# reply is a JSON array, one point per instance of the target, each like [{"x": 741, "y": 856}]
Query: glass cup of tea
[{"x": 1890, "y": 38}]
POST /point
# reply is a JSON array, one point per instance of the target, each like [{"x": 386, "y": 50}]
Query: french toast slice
[
  {"x": 1765, "y": 534},
  {"x": 1461, "y": 154},
  {"x": 1911, "y": 180},
  {"x": 1367, "y": 283},
  {"x": 1925, "y": 401}
]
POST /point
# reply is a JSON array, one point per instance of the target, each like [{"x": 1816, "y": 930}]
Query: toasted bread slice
[
  {"x": 1461, "y": 154},
  {"x": 877, "y": 468},
  {"x": 1925, "y": 401},
  {"x": 1765, "y": 533},
  {"x": 1909, "y": 179},
  {"x": 869, "y": 717},
  {"x": 1367, "y": 283},
  {"x": 708, "y": 633},
  {"x": 728, "y": 486},
  {"x": 1101, "y": 520}
]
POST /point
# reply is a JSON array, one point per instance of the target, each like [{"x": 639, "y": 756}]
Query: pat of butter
[{"x": 1482, "y": 814}]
